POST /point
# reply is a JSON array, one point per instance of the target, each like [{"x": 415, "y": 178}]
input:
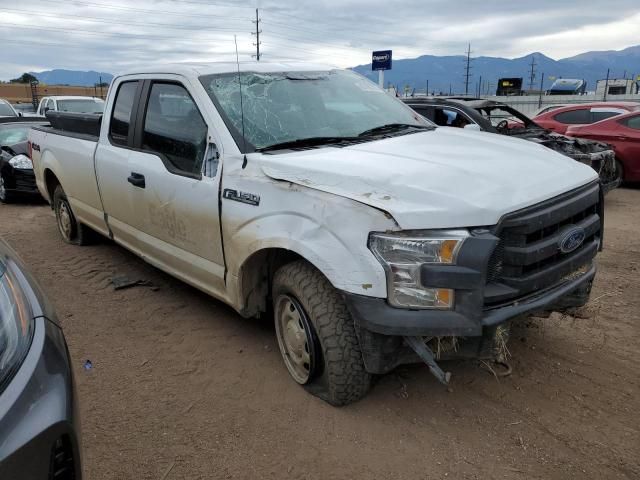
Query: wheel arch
[
  {"x": 254, "y": 275},
  {"x": 51, "y": 181}
]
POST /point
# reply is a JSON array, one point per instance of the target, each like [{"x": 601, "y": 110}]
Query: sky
[{"x": 113, "y": 35}]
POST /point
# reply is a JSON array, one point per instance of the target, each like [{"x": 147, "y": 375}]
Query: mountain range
[
  {"x": 448, "y": 72},
  {"x": 72, "y": 77}
]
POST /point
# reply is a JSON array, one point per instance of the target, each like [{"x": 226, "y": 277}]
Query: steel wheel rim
[
  {"x": 64, "y": 220},
  {"x": 3, "y": 190},
  {"x": 295, "y": 339}
]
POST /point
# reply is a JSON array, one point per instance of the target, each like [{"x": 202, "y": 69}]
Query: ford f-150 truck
[{"x": 308, "y": 195}]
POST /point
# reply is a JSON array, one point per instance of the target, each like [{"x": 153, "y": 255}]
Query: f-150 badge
[{"x": 242, "y": 197}]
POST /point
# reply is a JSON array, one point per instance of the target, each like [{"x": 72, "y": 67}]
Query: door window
[
  {"x": 573, "y": 117},
  {"x": 448, "y": 117},
  {"x": 174, "y": 129},
  {"x": 121, "y": 116}
]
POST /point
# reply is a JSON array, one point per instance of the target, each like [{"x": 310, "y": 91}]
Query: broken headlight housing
[
  {"x": 21, "y": 161},
  {"x": 402, "y": 256}
]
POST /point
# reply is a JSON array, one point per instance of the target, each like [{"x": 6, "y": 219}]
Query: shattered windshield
[{"x": 285, "y": 107}]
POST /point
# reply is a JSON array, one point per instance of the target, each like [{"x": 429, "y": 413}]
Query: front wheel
[
  {"x": 619, "y": 174},
  {"x": 316, "y": 335}
]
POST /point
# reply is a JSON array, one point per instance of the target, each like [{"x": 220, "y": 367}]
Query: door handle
[{"x": 136, "y": 179}]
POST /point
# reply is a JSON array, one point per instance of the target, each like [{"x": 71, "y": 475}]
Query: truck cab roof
[{"x": 198, "y": 69}]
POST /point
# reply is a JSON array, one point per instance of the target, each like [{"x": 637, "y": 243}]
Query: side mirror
[
  {"x": 211, "y": 160},
  {"x": 473, "y": 126},
  {"x": 46, "y": 109},
  {"x": 19, "y": 114}
]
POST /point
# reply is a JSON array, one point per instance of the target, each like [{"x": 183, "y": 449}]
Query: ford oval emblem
[{"x": 571, "y": 239}]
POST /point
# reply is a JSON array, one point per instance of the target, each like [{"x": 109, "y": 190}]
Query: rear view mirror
[{"x": 473, "y": 126}]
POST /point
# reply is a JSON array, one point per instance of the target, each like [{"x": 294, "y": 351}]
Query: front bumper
[
  {"x": 39, "y": 428},
  {"x": 376, "y": 315},
  {"x": 381, "y": 328},
  {"x": 516, "y": 268},
  {"x": 20, "y": 181}
]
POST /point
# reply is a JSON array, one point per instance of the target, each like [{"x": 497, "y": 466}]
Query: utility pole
[
  {"x": 480, "y": 87},
  {"x": 606, "y": 87},
  {"x": 541, "y": 87},
  {"x": 100, "y": 77},
  {"x": 257, "y": 34},
  {"x": 427, "y": 92},
  {"x": 467, "y": 75},
  {"x": 532, "y": 74}
]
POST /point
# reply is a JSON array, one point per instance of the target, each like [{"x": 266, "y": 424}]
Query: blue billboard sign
[{"x": 381, "y": 60}]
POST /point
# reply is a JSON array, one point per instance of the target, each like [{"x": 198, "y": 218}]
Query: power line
[
  {"x": 62, "y": 45},
  {"x": 165, "y": 12},
  {"x": 110, "y": 34},
  {"x": 120, "y": 22},
  {"x": 209, "y": 4}
]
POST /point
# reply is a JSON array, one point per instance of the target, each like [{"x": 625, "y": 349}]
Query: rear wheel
[
  {"x": 316, "y": 335},
  {"x": 71, "y": 230},
  {"x": 5, "y": 196}
]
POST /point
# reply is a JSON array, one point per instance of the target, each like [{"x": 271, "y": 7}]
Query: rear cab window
[{"x": 120, "y": 125}]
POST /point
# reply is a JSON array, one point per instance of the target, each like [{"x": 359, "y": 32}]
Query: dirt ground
[{"x": 182, "y": 387}]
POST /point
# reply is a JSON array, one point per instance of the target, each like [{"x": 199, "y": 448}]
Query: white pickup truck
[{"x": 308, "y": 195}]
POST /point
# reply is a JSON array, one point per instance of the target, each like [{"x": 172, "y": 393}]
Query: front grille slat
[
  {"x": 528, "y": 258},
  {"x": 546, "y": 247}
]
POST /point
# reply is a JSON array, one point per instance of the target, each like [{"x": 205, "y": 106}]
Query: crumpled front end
[{"x": 597, "y": 155}]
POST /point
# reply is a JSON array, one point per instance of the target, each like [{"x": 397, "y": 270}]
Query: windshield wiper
[
  {"x": 393, "y": 127},
  {"x": 307, "y": 142}
]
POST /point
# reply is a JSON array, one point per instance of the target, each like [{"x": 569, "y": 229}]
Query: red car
[
  {"x": 623, "y": 134},
  {"x": 560, "y": 119}
]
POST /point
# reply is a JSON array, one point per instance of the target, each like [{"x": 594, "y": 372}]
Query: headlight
[
  {"x": 402, "y": 256},
  {"x": 16, "y": 326},
  {"x": 21, "y": 161}
]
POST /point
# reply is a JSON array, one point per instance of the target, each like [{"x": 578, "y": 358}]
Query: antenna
[{"x": 244, "y": 139}]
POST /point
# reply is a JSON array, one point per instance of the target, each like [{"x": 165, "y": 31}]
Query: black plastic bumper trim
[{"x": 376, "y": 315}]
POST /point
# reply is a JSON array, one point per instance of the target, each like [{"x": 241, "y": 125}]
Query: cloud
[{"x": 114, "y": 35}]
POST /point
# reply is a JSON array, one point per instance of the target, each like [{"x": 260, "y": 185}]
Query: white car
[
  {"x": 308, "y": 194},
  {"x": 73, "y": 104},
  {"x": 7, "y": 110}
]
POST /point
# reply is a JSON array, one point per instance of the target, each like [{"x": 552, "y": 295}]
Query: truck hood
[{"x": 444, "y": 178}]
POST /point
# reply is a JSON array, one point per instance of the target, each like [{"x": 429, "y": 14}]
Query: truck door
[
  {"x": 174, "y": 199},
  {"x": 112, "y": 163}
]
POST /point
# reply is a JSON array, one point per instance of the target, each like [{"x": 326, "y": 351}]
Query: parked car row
[
  {"x": 609, "y": 146},
  {"x": 56, "y": 103}
]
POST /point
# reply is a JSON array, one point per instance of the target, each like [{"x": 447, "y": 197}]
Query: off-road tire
[
  {"x": 342, "y": 378},
  {"x": 79, "y": 234}
]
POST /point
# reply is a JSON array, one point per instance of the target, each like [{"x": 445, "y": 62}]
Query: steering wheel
[{"x": 502, "y": 125}]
